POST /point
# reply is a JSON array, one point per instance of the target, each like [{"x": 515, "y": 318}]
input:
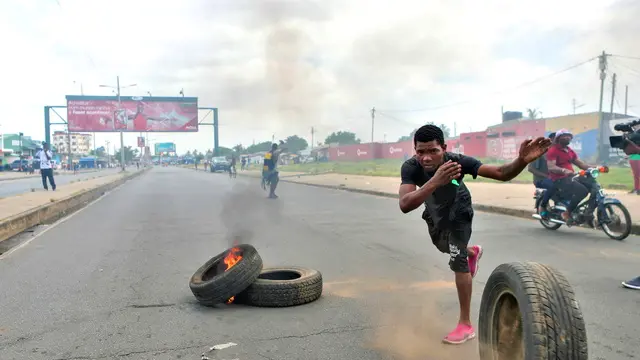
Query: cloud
[{"x": 283, "y": 66}]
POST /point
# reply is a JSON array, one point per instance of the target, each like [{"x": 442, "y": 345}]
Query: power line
[
  {"x": 626, "y": 57},
  {"x": 531, "y": 82}
]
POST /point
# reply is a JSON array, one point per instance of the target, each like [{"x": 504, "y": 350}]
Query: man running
[
  {"x": 270, "y": 171},
  {"x": 448, "y": 209}
]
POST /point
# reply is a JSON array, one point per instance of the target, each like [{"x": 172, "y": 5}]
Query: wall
[
  {"x": 507, "y": 147},
  {"x": 356, "y": 152},
  {"x": 577, "y": 124},
  {"x": 474, "y": 143},
  {"x": 398, "y": 150}
]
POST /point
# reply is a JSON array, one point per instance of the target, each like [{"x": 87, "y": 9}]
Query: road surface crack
[
  {"x": 131, "y": 353},
  {"x": 337, "y": 330}
]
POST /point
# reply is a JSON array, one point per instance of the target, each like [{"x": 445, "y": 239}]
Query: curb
[
  {"x": 50, "y": 212},
  {"x": 501, "y": 210},
  {"x": 55, "y": 173},
  {"x": 610, "y": 186}
]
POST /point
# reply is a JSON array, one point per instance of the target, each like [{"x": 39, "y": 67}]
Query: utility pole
[
  {"x": 574, "y": 104},
  {"x": 455, "y": 130},
  {"x": 312, "y": 133},
  {"x": 373, "y": 118},
  {"x": 626, "y": 98},
  {"x": 613, "y": 95},
  {"x": 602, "y": 63}
]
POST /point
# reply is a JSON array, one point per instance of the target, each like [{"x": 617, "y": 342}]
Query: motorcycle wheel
[{"x": 627, "y": 219}]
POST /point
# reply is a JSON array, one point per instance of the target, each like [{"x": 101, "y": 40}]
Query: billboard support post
[{"x": 216, "y": 145}]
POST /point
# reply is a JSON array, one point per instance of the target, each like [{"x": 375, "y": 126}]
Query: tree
[
  {"x": 99, "y": 152},
  {"x": 129, "y": 154},
  {"x": 238, "y": 148},
  {"x": 445, "y": 130},
  {"x": 533, "y": 114},
  {"x": 209, "y": 154},
  {"x": 259, "y": 147},
  {"x": 188, "y": 154},
  {"x": 224, "y": 151},
  {"x": 342, "y": 138},
  {"x": 294, "y": 143}
]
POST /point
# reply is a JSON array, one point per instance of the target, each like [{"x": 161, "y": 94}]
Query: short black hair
[
  {"x": 274, "y": 146},
  {"x": 428, "y": 133},
  {"x": 552, "y": 135}
]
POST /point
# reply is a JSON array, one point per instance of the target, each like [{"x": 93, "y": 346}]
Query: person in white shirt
[{"x": 45, "y": 166}]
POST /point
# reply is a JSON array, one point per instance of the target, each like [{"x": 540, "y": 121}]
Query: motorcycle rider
[
  {"x": 560, "y": 161},
  {"x": 541, "y": 180}
]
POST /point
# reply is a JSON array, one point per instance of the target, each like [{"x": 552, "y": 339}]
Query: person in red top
[
  {"x": 560, "y": 161},
  {"x": 139, "y": 120}
]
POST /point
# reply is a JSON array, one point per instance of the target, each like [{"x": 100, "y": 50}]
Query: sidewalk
[
  {"x": 505, "y": 198},
  {"x": 13, "y": 175},
  {"x": 18, "y": 204},
  {"x": 20, "y": 212}
]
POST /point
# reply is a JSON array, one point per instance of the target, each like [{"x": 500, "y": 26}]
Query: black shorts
[{"x": 453, "y": 240}]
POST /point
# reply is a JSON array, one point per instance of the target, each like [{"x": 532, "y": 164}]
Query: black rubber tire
[
  {"x": 550, "y": 326},
  {"x": 627, "y": 218},
  {"x": 221, "y": 287},
  {"x": 292, "y": 286}
]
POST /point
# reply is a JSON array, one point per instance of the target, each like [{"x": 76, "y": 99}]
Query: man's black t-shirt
[{"x": 449, "y": 203}]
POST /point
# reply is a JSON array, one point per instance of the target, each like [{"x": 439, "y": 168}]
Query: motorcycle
[{"x": 606, "y": 218}]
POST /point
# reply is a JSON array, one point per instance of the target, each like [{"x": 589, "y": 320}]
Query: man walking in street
[
  {"x": 434, "y": 177},
  {"x": 45, "y": 167}
]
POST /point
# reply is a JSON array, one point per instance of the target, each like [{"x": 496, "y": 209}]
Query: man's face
[
  {"x": 564, "y": 140},
  {"x": 430, "y": 154}
]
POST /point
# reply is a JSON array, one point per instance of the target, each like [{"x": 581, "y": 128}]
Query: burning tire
[
  {"x": 227, "y": 274},
  {"x": 283, "y": 286},
  {"x": 529, "y": 311}
]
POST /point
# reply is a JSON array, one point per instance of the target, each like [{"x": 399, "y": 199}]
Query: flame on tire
[{"x": 233, "y": 257}]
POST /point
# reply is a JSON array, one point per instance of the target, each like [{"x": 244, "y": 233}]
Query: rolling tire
[
  {"x": 529, "y": 311},
  {"x": 627, "y": 219},
  {"x": 211, "y": 287},
  {"x": 283, "y": 286}
]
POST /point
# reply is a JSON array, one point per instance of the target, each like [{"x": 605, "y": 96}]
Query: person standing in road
[
  {"x": 434, "y": 177},
  {"x": 45, "y": 167},
  {"x": 634, "y": 161}
]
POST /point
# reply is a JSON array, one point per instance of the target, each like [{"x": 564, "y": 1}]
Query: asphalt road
[
  {"x": 111, "y": 282},
  {"x": 20, "y": 186}
]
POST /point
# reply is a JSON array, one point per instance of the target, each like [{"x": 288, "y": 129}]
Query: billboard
[
  {"x": 167, "y": 147},
  {"x": 140, "y": 142},
  {"x": 132, "y": 114}
]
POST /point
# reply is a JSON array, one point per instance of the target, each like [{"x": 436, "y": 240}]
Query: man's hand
[
  {"x": 530, "y": 150},
  {"x": 445, "y": 173}
]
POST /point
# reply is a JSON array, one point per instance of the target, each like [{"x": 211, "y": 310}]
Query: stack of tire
[{"x": 248, "y": 283}]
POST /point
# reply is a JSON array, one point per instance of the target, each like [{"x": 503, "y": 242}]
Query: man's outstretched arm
[
  {"x": 504, "y": 172},
  {"x": 530, "y": 150}
]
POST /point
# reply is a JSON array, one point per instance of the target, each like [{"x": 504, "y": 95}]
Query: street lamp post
[{"x": 122, "y": 111}]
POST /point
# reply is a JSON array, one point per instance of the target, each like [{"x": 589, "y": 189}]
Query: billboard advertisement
[
  {"x": 167, "y": 147},
  {"x": 140, "y": 142},
  {"x": 132, "y": 113}
]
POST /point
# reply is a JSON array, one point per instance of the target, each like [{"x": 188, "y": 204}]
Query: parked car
[
  {"x": 219, "y": 163},
  {"x": 17, "y": 166}
]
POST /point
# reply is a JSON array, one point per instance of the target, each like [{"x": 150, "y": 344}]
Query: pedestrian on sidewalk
[
  {"x": 45, "y": 167},
  {"x": 434, "y": 177},
  {"x": 634, "y": 161}
]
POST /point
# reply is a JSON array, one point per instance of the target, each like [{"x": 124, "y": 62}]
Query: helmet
[{"x": 563, "y": 132}]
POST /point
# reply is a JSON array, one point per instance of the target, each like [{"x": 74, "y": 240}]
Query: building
[
  {"x": 14, "y": 146},
  {"x": 81, "y": 144}
]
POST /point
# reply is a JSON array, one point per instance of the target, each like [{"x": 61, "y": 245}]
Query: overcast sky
[{"x": 281, "y": 67}]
